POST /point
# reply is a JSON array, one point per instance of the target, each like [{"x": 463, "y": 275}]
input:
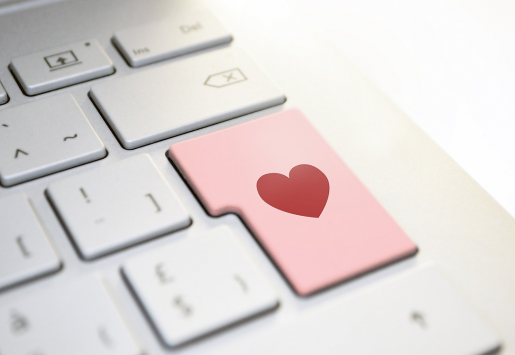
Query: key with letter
[
  {"x": 25, "y": 252},
  {"x": 63, "y": 66},
  {"x": 315, "y": 218},
  {"x": 43, "y": 137},
  {"x": 116, "y": 206},
  {"x": 163, "y": 102},
  {"x": 196, "y": 286},
  {"x": 182, "y": 34},
  {"x": 78, "y": 318}
]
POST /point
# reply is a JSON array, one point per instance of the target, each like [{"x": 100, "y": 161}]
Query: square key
[
  {"x": 116, "y": 206},
  {"x": 43, "y": 137},
  {"x": 315, "y": 218},
  {"x": 198, "y": 285},
  {"x": 66, "y": 65}
]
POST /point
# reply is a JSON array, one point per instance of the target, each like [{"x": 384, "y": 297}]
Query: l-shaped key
[{"x": 320, "y": 226}]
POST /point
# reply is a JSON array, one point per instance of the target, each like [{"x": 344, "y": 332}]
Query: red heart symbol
[{"x": 304, "y": 193}]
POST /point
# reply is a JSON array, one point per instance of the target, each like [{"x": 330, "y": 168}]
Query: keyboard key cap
[
  {"x": 116, "y": 206},
  {"x": 78, "y": 319},
  {"x": 44, "y": 137},
  {"x": 321, "y": 225},
  {"x": 196, "y": 286},
  {"x": 140, "y": 109},
  {"x": 3, "y": 95},
  {"x": 63, "y": 66},
  {"x": 419, "y": 313},
  {"x": 25, "y": 252},
  {"x": 182, "y": 34}
]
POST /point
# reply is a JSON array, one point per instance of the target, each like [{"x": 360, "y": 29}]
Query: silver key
[
  {"x": 63, "y": 66},
  {"x": 78, "y": 319},
  {"x": 3, "y": 95},
  {"x": 25, "y": 252},
  {"x": 43, "y": 137},
  {"x": 117, "y": 206},
  {"x": 182, "y": 34},
  {"x": 198, "y": 285},
  {"x": 179, "y": 97},
  {"x": 419, "y": 313}
]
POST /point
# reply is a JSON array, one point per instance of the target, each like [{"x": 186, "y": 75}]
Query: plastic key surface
[
  {"x": 198, "y": 285},
  {"x": 78, "y": 318},
  {"x": 178, "y": 97},
  {"x": 315, "y": 218},
  {"x": 25, "y": 252},
  {"x": 62, "y": 66},
  {"x": 417, "y": 313},
  {"x": 182, "y": 34},
  {"x": 117, "y": 205},
  {"x": 43, "y": 137}
]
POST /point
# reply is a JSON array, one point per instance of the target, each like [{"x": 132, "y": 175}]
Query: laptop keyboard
[{"x": 313, "y": 217}]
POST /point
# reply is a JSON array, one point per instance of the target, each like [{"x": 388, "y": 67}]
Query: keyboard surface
[{"x": 95, "y": 210}]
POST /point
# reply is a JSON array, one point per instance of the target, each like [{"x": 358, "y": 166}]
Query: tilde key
[{"x": 310, "y": 212}]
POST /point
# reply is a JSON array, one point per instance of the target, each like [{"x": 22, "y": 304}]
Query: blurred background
[{"x": 449, "y": 64}]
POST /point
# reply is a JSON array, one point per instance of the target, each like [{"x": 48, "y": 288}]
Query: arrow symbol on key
[
  {"x": 18, "y": 151},
  {"x": 61, "y": 60}
]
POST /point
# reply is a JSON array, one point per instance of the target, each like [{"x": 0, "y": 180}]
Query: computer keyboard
[{"x": 114, "y": 233}]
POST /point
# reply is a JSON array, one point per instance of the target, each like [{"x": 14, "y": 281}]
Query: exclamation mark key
[
  {"x": 85, "y": 195},
  {"x": 116, "y": 206}
]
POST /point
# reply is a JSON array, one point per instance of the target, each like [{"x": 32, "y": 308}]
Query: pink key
[{"x": 305, "y": 206}]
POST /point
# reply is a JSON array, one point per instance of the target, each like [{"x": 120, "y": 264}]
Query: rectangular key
[
  {"x": 116, "y": 206},
  {"x": 195, "y": 286},
  {"x": 78, "y": 319},
  {"x": 44, "y": 137},
  {"x": 3, "y": 95},
  {"x": 25, "y": 252},
  {"x": 63, "y": 66},
  {"x": 419, "y": 313},
  {"x": 320, "y": 225},
  {"x": 179, "y": 97},
  {"x": 181, "y": 34}
]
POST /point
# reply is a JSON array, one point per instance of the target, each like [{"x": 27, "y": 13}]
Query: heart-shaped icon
[{"x": 304, "y": 193}]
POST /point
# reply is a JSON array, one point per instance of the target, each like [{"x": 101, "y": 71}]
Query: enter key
[{"x": 314, "y": 217}]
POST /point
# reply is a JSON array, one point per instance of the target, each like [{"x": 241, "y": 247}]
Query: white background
[{"x": 449, "y": 64}]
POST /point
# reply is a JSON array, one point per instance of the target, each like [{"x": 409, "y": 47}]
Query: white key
[
  {"x": 182, "y": 34},
  {"x": 196, "y": 286},
  {"x": 416, "y": 314},
  {"x": 44, "y": 137},
  {"x": 179, "y": 97},
  {"x": 78, "y": 319},
  {"x": 3, "y": 95},
  {"x": 63, "y": 66},
  {"x": 25, "y": 252},
  {"x": 116, "y": 206}
]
